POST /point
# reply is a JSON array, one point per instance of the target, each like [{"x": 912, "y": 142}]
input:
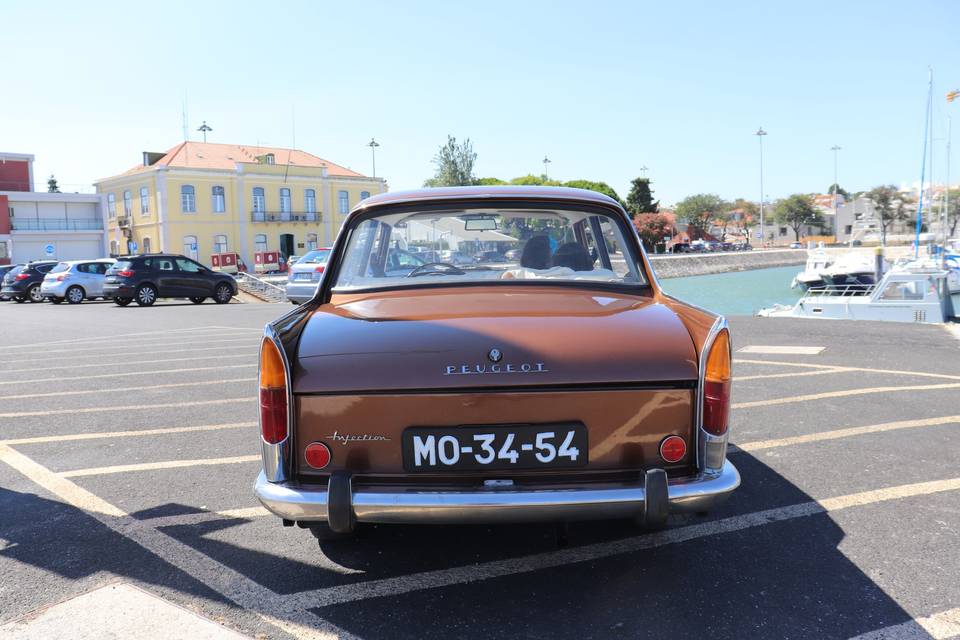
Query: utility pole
[
  {"x": 546, "y": 161},
  {"x": 836, "y": 190},
  {"x": 373, "y": 144},
  {"x": 760, "y": 133},
  {"x": 204, "y": 128},
  {"x": 946, "y": 194}
]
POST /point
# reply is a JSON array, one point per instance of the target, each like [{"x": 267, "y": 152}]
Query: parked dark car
[
  {"x": 492, "y": 257},
  {"x": 22, "y": 283},
  {"x": 4, "y": 270},
  {"x": 144, "y": 278}
]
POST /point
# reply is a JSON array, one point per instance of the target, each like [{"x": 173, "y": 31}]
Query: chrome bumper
[{"x": 502, "y": 504}]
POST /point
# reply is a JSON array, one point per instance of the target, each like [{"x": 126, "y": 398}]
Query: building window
[
  {"x": 219, "y": 200},
  {"x": 220, "y": 243},
  {"x": 311, "y": 241},
  {"x": 344, "y": 202},
  {"x": 146, "y": 246},
  {"x": 310, "y": 201},
  {"x": 783, "y": 231},
  {"x": 848, "y": 229},
  {"x": 112, "y": 205},
  {"x": 284, "y": 200},
  {"x": 364, "y": 195},
  {"x": 144, "y": 201},
  {"x": 127, "y": 203},
  {"x": 269, "y": 159},
  {"x": 259, "y": 202},
  {"x": 260, "y": 243},
  {"x": 114, "y": 248},
  {"x": 190, "y": 247},
  {"x": 188, "y": 199}
]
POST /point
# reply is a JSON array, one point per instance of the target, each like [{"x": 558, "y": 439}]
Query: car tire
[
  {"x": 197, "y": 300},
  {"x": 75, "y": 295},
  {"x": 34, "y": 294},
  {"x": 146, "y": 295},
  {"x": 223, "y": 293},
  {"x": 56, "y": 300},
  {"x": 19, "y": 299},
  {"x": 122, "y": 301}
]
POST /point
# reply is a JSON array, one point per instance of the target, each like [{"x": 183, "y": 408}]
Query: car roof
[{"x": 512, "y": 192}]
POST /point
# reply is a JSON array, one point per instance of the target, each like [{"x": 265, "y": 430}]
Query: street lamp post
[
  {"x": 546, "y": 161},
  {"x": 373, "y": 144},
  {"x": 760, "y": 133},
  {"x": 836, "y": 190}
]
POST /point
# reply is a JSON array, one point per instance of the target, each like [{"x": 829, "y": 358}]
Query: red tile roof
[{"x": 212, "y": 155}]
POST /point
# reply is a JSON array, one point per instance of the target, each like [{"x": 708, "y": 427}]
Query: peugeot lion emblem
[{"x": 495, "y": 355}]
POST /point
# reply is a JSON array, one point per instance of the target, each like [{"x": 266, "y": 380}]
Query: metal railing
[
  {"x": 841, "y": 290},
  {"x": 55, "y": 224},
  {"x": 260, "y": 288},
  {"x": 286, "y": 216}
]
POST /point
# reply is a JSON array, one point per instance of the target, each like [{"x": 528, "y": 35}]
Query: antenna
[{"x": 184, "y": 114}]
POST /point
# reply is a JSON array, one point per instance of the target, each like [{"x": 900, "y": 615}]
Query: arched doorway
[{"x": 286, "y": 246}]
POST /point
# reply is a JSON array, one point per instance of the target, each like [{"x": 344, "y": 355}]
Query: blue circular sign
[{"x": 49, "y": 249}]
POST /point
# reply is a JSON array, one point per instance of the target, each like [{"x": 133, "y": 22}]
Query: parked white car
[{"x": 75, "y": 281}]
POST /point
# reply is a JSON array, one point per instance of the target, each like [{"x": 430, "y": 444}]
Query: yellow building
[{"x": 202, "y": 198}]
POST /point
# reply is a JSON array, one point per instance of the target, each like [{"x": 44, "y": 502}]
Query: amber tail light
[
  {"x": 273, "y": 393},
  {"x": 716, "y": 386}
]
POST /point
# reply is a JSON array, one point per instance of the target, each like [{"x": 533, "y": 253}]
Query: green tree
[
  {"x": 489, "y": 182},
  {"x": 890, "y": 206},
  {"x": 745, "y": 215},
  {"x": 652, "y": 228},
  {"x": 454, "y": 163},
  {"x": 535, "y": 181},
  {"x": 796, "y": 211},
  {"x": 835, "y": 188},
  {"x": 953, "y": 212},
  {"x": 52, "y": 186},
  {"x": 640, "y": 198},
  {"x": 599, "y": 187},
  {"x": 698, "y": 211}
]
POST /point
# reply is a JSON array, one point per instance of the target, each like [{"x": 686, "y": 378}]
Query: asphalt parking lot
[{"x": 128, "y": 450}]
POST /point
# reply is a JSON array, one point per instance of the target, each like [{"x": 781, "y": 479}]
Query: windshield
[
  {"x": 488, "y": 245},
  {"x": 317, "y": 256}
]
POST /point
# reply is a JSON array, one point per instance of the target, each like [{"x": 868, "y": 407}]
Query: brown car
[{"x": 560, "y": 385}]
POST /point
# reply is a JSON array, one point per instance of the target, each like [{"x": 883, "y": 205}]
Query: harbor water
[{"x": 738, "y": 293}]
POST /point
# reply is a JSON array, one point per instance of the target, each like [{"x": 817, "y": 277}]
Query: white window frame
[
  {"x": 144, "y": 201},
  {"x": 285, "y": 200},
  {"x": 220, "y": 243},
  {"x": 259, "y": 201},
  {"x": 259, "y": 246},
  {"x": 146, "y": 245},
  {"x": 112, "y": 205},
  {"x": 218, "y": 200},
  {"x": 343, "y": 196},
  {"x": 309, "y": 200},
  {"x": 311, "y": 241},
  {"x": 188, "y": 198},
  {"x": 127, "y": 202},
  {"x": 188, "y": 251},
  {"x": 364, "y": 195}
]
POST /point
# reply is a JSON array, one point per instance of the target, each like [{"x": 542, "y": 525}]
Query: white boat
[
  {"x": 855, "y": 267},
  {"x": 900, "y": 296},
  {"x": 932, "y": 264},
  {"x": 811, "y": 276}
]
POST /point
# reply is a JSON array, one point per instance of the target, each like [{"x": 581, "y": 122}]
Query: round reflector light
[
  {"x": 673, "y": 448},
  {"x": 318, "y": 455}
]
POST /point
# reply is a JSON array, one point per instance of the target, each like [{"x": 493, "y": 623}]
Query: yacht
[
  {"x": 817, "y": 262},
  {"x": 851, "y": 269},
  {"x": 900, "y": 296}
]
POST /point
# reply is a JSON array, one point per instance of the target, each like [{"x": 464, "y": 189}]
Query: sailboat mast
[{"x": 923, "y": 165}]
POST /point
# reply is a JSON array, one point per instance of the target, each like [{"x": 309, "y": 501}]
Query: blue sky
[{"x": 601, "y": 88}]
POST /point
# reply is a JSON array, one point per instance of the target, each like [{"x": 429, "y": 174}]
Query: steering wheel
[{"x": 437, "y": 268}]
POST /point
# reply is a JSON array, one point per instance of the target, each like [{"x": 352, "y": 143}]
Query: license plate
[
  {"x": 552, "y": 446},
  {"x": 111, "y": 279},
  {"x": 303, "y": 276}
]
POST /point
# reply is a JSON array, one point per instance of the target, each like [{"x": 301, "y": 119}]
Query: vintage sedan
[{"x": 562, "y": 385}]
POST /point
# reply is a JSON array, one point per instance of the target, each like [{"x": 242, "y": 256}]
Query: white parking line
[
  {"x": 841, "y": 394},
  {"x": 389, "y": 587},
  {"x": 135, "y": 407},
  {"x": 125, "y": 374},
  {"x": 782, "y": 350},
  {"x": 77, "y": 354},
  {"x": 804, "y": 365},
  {"x": 939, "y": 626},
  {"x": 759, "y": 445},
  {"x": 153, "y": 466},
  {"x": 126, "y": 434},
  {"x": 792, "y": 374},
  {"x": 60, "y": 394},
  {"x": 114, "y": 337},
  {"x": 249, "y": 356}
]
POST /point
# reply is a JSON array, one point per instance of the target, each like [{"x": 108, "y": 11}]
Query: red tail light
[
  {"x": 126, "y": 273},
  {"x": 673, "y": 448},
  {"x": 273, "y": 393},
  {"x": 61, "y": 278},
  {"x": 22, "y": 276},
  {"x": 716, "y": 386},
  {"x": 319, "y": 269},
  {"x": 318, "y": 455}
]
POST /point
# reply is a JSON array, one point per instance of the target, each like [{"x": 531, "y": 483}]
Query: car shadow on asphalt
[{"x": 782, "y": 579}]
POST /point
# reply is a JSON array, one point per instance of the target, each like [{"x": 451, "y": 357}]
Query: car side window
[
  {"x": 188, "y": 266},
  {"x": 148, "y": 264},
  {"x": 406, "y": 260},
  {"x": 165, "y": 264}
]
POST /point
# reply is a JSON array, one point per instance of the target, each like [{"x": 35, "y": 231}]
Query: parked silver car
[
  {"x": 75, "y": 281},
  {"x": 305, "y": 274}
]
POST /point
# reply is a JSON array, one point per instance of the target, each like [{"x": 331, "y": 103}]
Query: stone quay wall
[{"x": 699, "y": 264}]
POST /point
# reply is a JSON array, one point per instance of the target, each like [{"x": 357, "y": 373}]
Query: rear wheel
[
  {"x": 197, "y": 300},
  {"x": 75, "y": 295},
  {"x": 123, "y": 301},
  {"x": 34, "y": 294},
  {"x": 223, "y": 293},
  {"x": 146, "y": 295},
  {"x": 19, "y": 299}
]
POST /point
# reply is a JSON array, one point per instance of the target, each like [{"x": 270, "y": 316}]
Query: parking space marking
[
  {"x": 792, "y": 374},
  {"x": 782, "y": 350},
  {"x": 151, "y": 387},
  {"x": 841, "y": 394},
  {"x": 759, "y": 445},
  {"x": 126, "y": 434},
  {"x": 129, "y": 373},
  {"x": 804, "y": 365},
  {"x": 135, "y": 407},
  {"x": 153, "y": 466},
  {"x": 249, "y": 356},
  {"x": 119, "y": 336},
  {"x": 67, "y": 491},
  {"x": 78, "y": 354},
  {"x": 246, "y": 513},
  {"x": 388, "y": 587},
  {"x": 939, "y": 626}
]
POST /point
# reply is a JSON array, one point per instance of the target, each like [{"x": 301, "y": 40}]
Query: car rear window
[
  {"x": 63, "y": 266},
  {"x": 122, "y": 265},
  {"x": 44, "y": 268},
  {"x": 315, "y": 257}
]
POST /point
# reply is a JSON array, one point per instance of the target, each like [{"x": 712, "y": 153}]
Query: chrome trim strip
[
  {"x": 703, "y": 437},
  {"x": 277, "y": 459},
  {"x": 399, "y": 504}
]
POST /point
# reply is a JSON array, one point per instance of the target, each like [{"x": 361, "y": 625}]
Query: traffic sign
[
  {"x": 50, "y": 249},
  {"x": 133, "y": 246},
  {"x": 193, "y": 247}
]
